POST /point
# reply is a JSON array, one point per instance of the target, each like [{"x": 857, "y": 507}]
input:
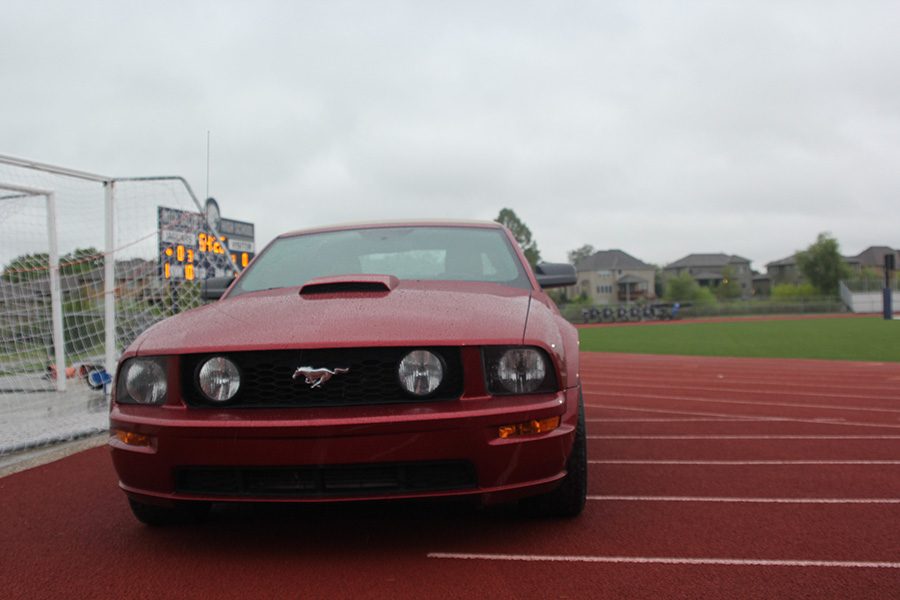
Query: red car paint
[{"x": 407, "y": 313}]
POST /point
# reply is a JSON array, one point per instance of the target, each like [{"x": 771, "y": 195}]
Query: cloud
[{"x": 661, "y": 128}]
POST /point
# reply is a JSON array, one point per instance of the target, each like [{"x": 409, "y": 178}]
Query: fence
[
  {"x": 871, "y": 285},
  {"x": 80, "y": 281},
  {"x": 578, "y": 313},
  {"x": 865, "y": 297}
]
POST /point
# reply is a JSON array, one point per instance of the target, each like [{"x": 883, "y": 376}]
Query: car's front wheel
[{"x": 569, "y": 498}]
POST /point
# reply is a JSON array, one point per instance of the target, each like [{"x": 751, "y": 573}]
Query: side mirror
[
  {"x": 214, "y": 287},
  {"x": 551, "y": 275}
]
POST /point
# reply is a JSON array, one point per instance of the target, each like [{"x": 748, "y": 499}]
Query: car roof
[{"x": 399, "y": 223}]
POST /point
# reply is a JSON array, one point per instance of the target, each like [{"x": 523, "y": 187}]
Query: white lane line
[
  {"x": 740, "y": 562},
  {"x": 754, "y": 390},
  {"x": 743, "y": 402},
  {"x": 747, "y": 500},
  {"x": 744, "y": 437},
  {"x": 743, "y": 462},
  {"x": 817, "y": 421},
  {"x": 783, "y": 385},
  {"x": 668, "y": 411},
  {"x": 685, "y": 420}
]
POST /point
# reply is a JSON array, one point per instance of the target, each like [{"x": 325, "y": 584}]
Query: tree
[
  {"x": 659, "y": 282},
  {"x": 683, "y": 288},
  {"x": 520, "y": 231},
  {"x": 870, "y": 278},
  {"x": 730, "y": 287},
  {"x": 823, "y": 265},
  {"x": 579, "y": 253},
  {"x": 27, "y": 267},
  {"x": 81, "y": 260}
]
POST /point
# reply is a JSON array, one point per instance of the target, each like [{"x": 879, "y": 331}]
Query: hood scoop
[{"x": 344, "y": 284}]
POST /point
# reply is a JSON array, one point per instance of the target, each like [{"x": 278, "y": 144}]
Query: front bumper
[{"x": 301, "y": 440}]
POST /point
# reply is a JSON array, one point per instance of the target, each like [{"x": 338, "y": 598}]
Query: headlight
[
  {"x": 142, "y": 381},
  {"x": 420, "y": 372},
  {"x": 518, "y": 371},
  {"x": 219, "y": 379}
]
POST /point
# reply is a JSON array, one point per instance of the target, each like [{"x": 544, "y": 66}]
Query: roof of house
[
  {"x": 873, "y": 256},
  {"x": 791, "y": 260},
  {"x": 607, "y": 260},
  {"x": 783, "y": 262},
  {"x": 708, "y": 275},
  {"x": 631, "y": 279},
  {"x": 707, "y": 260}
]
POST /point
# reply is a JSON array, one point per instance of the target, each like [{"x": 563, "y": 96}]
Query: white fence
[
  {"x": 80, "y": 280},
  {"x": 866, "y": 301}
]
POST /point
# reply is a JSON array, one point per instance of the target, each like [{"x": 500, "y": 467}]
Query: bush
[
  {"x": 683, "y": 288},
  {"x": 704, "y": 297},
  {"x": 791, "y": 291}
]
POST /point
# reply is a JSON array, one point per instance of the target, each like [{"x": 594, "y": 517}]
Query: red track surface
[{"x": 713, "y": 478}]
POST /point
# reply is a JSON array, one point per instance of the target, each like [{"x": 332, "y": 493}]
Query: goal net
[{"x": 55, "y": 343}]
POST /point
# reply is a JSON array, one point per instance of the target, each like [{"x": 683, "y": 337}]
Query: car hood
[{"x": 413, "y": 313}]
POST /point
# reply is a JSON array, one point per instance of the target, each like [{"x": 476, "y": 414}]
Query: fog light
[
  {"x": 531, "y": 427},
  {"x": 131, "y": 438}
]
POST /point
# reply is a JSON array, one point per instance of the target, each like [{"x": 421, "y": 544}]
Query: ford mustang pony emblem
[{"x": 316, "y": 377}]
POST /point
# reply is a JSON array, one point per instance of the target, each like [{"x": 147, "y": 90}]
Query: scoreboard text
[{"x": 189, "y": 250}]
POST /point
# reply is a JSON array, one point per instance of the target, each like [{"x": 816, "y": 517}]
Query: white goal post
[{"x": 79, "y": 254}]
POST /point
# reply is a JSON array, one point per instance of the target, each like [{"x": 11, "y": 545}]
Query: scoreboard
[{"x": 190, "y": 250}]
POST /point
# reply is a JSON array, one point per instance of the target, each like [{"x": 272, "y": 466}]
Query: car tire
[
  {"x": 160, "y": 516},
  {"x": 569, "y": 498}
]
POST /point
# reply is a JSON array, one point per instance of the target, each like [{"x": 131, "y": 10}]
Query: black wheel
[
  {"x": 159, "y": 516},
  {"x": 568, "y": 499}
]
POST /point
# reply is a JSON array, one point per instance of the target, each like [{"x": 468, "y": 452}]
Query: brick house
[
  {"x": 614, "y": 276},
  {"x": 709, "y": 270}
]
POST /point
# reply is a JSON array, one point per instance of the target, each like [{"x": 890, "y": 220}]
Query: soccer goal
[{"x": 81, "y": 279}]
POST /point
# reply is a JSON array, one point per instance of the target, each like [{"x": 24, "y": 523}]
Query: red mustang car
[{"x": 361, "y": 362}]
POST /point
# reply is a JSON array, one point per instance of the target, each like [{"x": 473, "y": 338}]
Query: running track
[{"x": 710, "y": 478}]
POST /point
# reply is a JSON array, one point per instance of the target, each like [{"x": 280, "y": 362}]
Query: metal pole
[
  {"x": 109, "y": 279},
  {"x": 59, "y": 336},
  {"x": 887, "y": 292}
]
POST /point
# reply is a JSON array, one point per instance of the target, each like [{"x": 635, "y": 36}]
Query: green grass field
[{"x": 867, "y": 339}]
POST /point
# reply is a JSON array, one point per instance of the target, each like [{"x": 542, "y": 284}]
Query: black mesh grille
[
  {"x": 326, "y": 481},
  {"x": 267, "y": 377}
]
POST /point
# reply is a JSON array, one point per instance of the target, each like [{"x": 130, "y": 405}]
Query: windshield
[{"x": 418, "y": 253}]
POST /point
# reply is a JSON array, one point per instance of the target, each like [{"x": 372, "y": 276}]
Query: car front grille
[
  {"x": 326, "y": 481},
  {"x": 267, "y": 378}
]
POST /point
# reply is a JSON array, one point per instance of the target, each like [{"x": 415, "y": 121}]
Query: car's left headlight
[
  {"x": 421, "y": 372},
  {"x": 142, "y": 380},
  {"x": 518, "y": 370}
]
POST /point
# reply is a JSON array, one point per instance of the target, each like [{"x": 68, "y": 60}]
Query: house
[
  {"x": 762, "y": 284},
  {"x": 614, "y": 276},
  {"x": 873, "y": 257},
  {"x": 710, "y": 270},
  {"x": 786, "y": 270}
]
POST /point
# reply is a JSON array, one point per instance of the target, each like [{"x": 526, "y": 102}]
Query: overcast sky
[{"x": 660, "y": 128}]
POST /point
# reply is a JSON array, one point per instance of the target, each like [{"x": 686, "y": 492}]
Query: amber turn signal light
[
  {"x": 132, "y": 439},
  {"x": 528, "y": 427}
]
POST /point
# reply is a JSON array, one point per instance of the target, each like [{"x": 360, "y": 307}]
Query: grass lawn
[{"x": 841, "y": 339}]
